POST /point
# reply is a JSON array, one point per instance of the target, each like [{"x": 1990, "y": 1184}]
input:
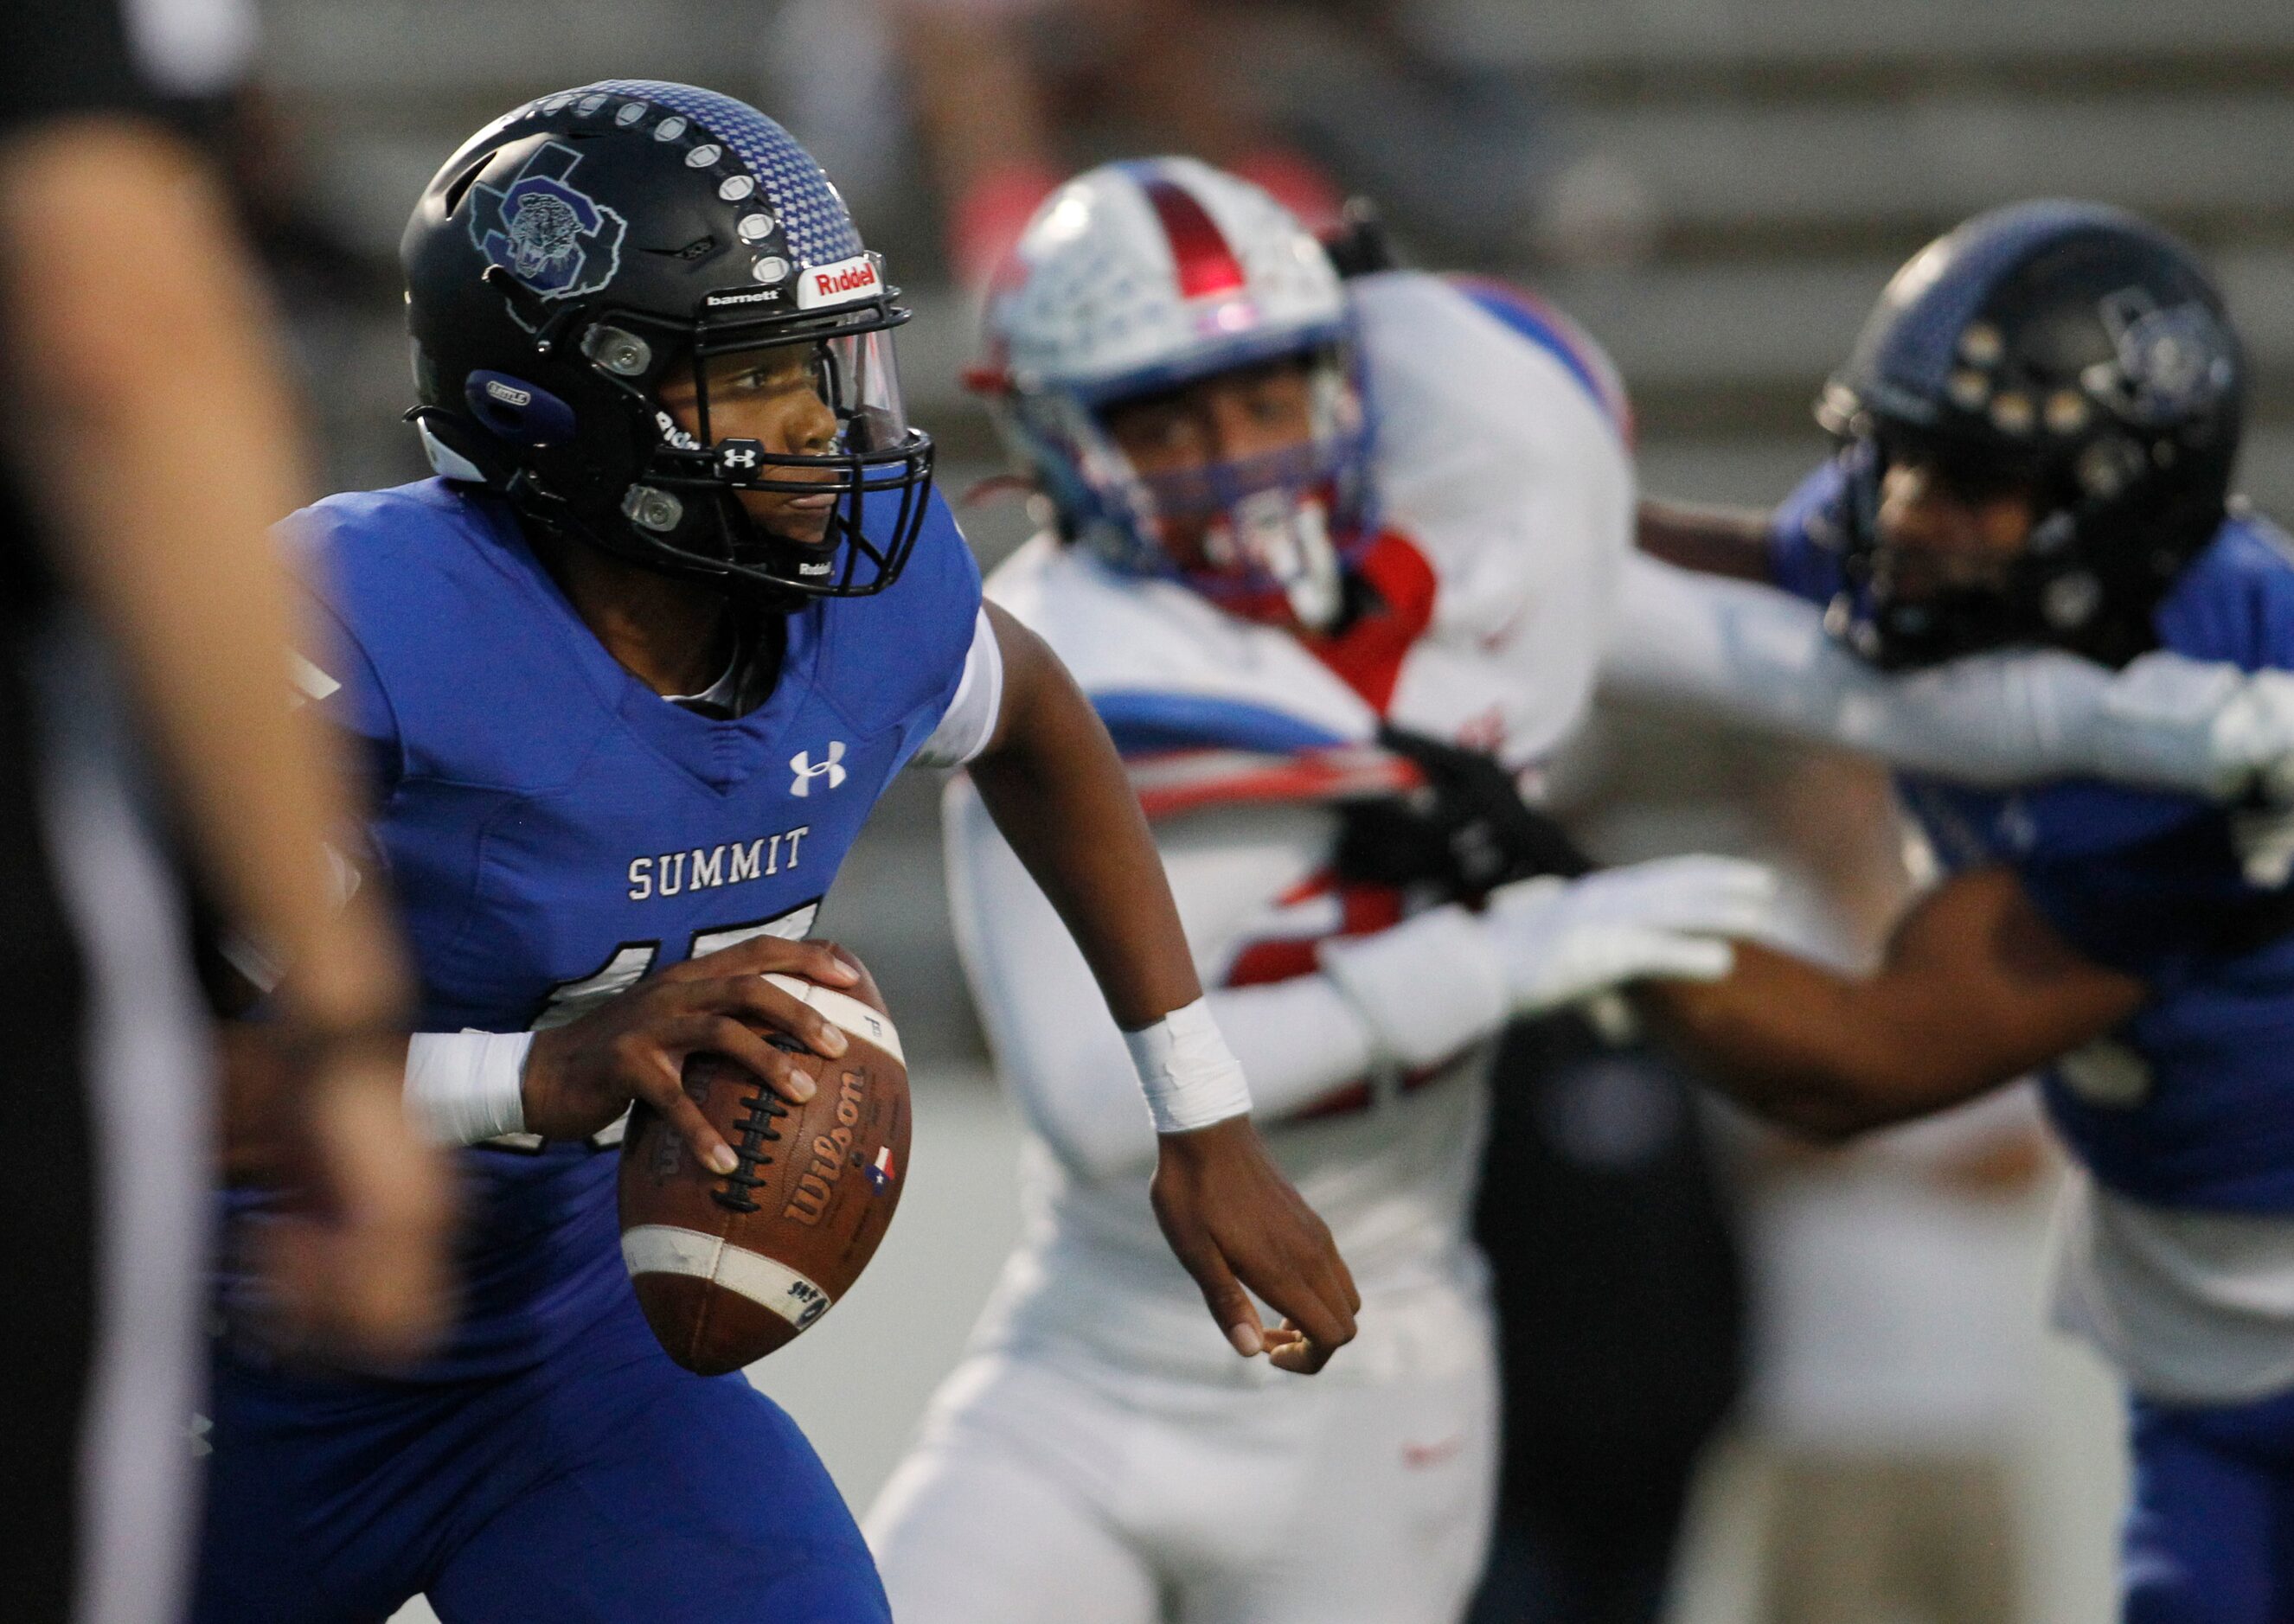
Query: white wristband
[
  {"x": 464, "y": 1087},
  {"x": 1190, "y": 1078}
]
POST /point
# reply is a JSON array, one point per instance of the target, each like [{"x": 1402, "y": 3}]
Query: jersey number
[{"x": 629, "y": 964}]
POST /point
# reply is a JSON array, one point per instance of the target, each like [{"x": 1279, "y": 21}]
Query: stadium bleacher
[{"x": 1789, "y": 152}]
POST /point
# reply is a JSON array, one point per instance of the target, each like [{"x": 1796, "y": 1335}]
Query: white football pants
[{"x": 1055, "y": 1489}]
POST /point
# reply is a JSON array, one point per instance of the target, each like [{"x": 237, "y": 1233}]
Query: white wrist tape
[
  {"x": 1190, "y": 1078},
  {"x": 2179, "y": 723},
  {"x": 464, "y": 1087},
  {"x": 1425, "y": 988}
]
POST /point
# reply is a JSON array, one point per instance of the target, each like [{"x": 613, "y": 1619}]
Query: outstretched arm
[
  {"x": 1415, "y": 995},
  {"x": 1976, "y": 989},
  {"x": 1052, "y": 783},
  {"x": 1732, "y": 541},
  {"x": 1758, "y": 656}
]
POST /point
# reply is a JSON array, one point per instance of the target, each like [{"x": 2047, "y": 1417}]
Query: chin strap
[
  {"x": 446, "y": 462},
  {"x": 455, "y": 454}
]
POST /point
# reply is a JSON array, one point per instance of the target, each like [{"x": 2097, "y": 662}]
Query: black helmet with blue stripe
[
  {"x": 597, "y": 248},
  {"x": 2066, "y": 350}
]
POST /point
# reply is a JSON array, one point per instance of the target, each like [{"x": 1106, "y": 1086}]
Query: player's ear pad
[{"x": 518, "y": 411}]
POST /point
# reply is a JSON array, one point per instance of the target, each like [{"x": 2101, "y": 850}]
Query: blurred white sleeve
[
  {"x": 970, "y": 720},
  {"x": 1519, "y": 491},
  {"x": 1057, "y": 1048},
  {"x": 1758, "y": 656}
]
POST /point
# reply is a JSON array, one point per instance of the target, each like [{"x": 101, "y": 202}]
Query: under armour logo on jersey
[{"x": 800, "y": 764}]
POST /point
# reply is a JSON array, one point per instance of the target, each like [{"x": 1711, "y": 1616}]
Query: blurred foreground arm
[
  {"x": 160, "y": 447},
  {"x": 1051, "y": 781}
]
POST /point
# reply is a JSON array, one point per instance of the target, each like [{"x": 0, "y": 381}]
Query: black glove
[{"x": 1465, "y": 832}]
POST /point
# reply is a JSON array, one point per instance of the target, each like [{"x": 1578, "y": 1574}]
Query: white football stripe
[
  {"x": 844, "y": 1011},
  {"x": 662, "y": 1248}
]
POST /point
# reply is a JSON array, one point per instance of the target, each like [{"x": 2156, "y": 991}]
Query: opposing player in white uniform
[{"x": 1336, "y": 565}]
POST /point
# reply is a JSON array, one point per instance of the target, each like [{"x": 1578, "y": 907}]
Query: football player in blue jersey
[
  {"x": 628, "y": 676},
  {"x": 2037, "y": 430}
]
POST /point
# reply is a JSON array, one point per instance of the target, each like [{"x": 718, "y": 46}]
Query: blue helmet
[
  {"x": 582, "y": 252},
  {"x": 2067, "y": 350}
]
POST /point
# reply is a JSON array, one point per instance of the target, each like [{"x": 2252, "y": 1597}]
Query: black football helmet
[
  {"x": 2064, "y": 349},
  {"x": 579, "y": 254}
]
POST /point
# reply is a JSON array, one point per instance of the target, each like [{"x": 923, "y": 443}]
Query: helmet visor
[{"x": 805, "y": 444}]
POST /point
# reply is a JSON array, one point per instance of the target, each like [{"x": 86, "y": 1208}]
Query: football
[{"x": 730, "y": 1267}]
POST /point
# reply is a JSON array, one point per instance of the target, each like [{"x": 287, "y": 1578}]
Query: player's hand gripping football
[
  {"x": 1235, "y": 1222},
  {"x": 582, "y": 1075}
]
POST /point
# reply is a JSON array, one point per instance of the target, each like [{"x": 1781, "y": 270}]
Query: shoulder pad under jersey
[
  {"x": 2235, "y": 600},
  {"x": 1496, "y": 457},
  {"x": 1167, "y": 670},
  {"x": 459, "y": 624},
  {"x": 888, "y": 654}
]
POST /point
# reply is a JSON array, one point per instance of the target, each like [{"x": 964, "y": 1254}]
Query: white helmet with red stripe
[{"x": 1140, "y": 278}]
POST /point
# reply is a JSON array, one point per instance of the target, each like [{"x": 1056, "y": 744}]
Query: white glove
[
  {"x": 2253, "y": 735},
  {"x": 1997, "y": 720},
  {"x": 1446, "y": 977},
  {"x": 2195, "y": 726},
  {"x": 2239, "y": 726},
  {"x": 1559, "y": 941}
]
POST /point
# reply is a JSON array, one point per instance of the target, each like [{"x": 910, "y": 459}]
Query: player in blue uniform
[
  {"x": 628, "y": 678},
  {"x": 2038, "y": 426}
]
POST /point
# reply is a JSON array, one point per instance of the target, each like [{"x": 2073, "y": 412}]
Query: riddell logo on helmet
[{"x": 840, "y": 283}]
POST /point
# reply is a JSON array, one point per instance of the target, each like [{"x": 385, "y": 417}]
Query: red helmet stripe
[{"x": 1205, "y": 263}]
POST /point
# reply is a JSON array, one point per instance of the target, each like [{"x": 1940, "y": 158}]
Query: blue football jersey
[
  {"x": 553, "y": 830},
  {"x": 2191, "y": 1102}
]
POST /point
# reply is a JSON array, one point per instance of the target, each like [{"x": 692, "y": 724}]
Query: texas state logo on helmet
[
  {"x": 554, "y": 237},
  {"x": 580, "y": 252},
  {"x": 1142, "y": 276}
]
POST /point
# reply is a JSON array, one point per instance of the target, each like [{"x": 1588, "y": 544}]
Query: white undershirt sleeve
[
  {"x": 1756, "y": 655},
  {"x": 1297, "y": 1040},
  {"x": 1056, "y": 1046},
  {"x": 970, "y": 718}
]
